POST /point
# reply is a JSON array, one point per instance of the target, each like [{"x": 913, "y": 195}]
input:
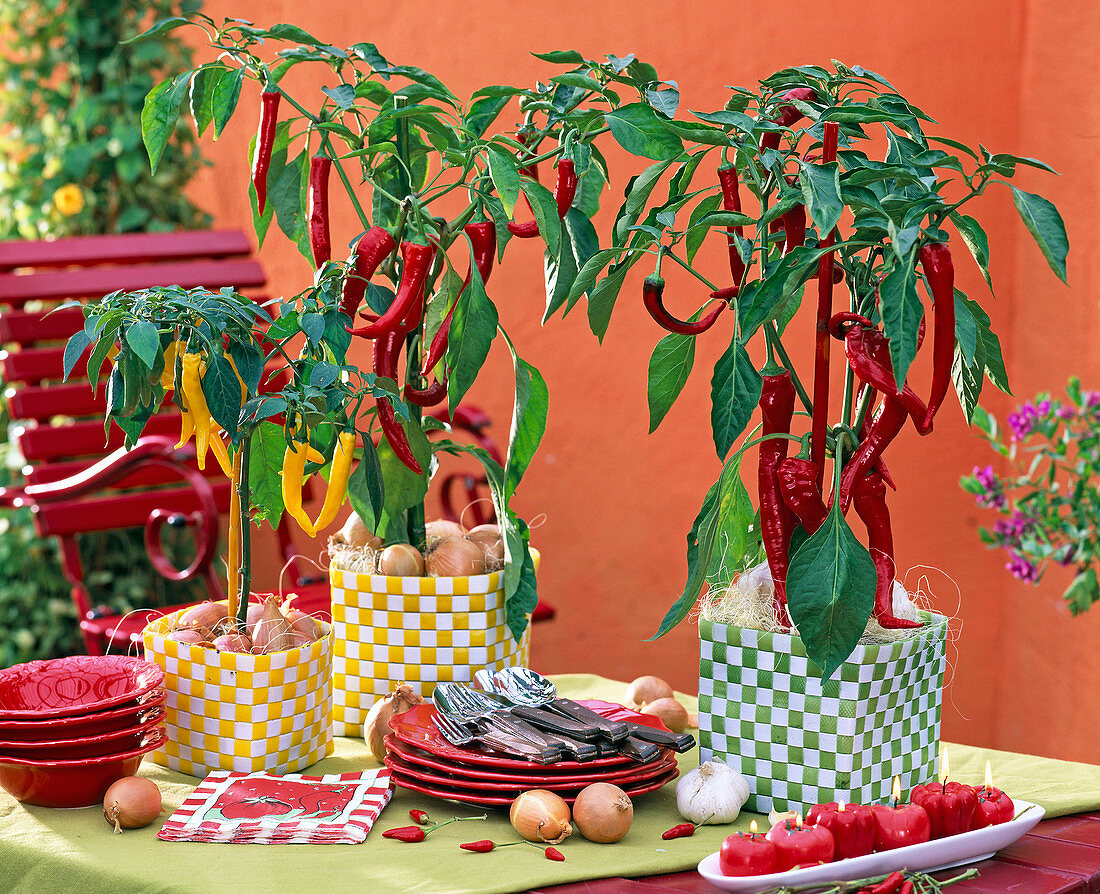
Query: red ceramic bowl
[
  {"x": 85, "y": 746},
  {"x": 97, "y": 724},
  {"x": 79, "y": 684},
  {"x": 76, "y": 783}
]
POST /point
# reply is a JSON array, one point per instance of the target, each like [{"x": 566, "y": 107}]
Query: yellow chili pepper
[
  {"x": 187, "y": 427},
  {"x": 217, "y": 447},
  {"x": 195, "y": 401},
  {"x": 244, "y": 389},
  {"x": 294, "y": 463},
  {"x": 168, "y": 376},
  {"x": 338, "y": 480}
]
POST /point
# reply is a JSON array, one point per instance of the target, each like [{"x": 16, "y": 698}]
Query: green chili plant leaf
[
  {"x": 821, "y": 190},
  {"x": 160, "y": 113},
  {"x": 528, "y": 422},
  {"x": 901, "y": 315},
  {"x": 1046, "y": 227},
  {"x": 735, "y": 391},
  {"x": 669, "y": 367},
  {"x": 831, "y": 592},
  {"x": 366, "y": 490},
  {"x": 640, "y": 131},
  {"x": 473, "y": 328}
]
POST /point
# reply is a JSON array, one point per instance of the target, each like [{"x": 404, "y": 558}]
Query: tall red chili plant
[{"x": 822, "y": 179}]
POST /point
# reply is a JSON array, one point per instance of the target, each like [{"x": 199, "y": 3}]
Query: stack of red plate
[
  {"x": 420, "y": 759},
  {"x": 69, "y": 727}
]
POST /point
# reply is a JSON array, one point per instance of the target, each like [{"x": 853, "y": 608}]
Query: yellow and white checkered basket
[
  {"x": 229, "y": 711},
  {"x": 414, "y": 630}
]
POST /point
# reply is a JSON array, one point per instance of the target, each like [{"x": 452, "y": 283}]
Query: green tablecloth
[{"x": 75, "y": 850}]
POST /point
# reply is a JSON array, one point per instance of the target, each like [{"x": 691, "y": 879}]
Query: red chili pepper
[
  {"x": 420, "y": 817},
  {"x": 935, "y": 258},
  {"x": 776, "y": 518},
  {"x": 731, "y": 201},
  {"x": 886, "y": 426},
  {"x": 320, "y": 166},
  {"x": 684, "y": 830},
  {"x": 427, "y": 397},
  {"x": 788, "y": 115},
  {"x": 265, "y": 141},
  {"x": 868, "y": 353},
  {"x": 798, "y": 487},
  {"x": 386, "y": 349},
  {"x": 906, "y": 888},
  {"x": 888, "y": 885},
  {"x": 819, "y": 422},
  {"x": 565, "y": 190},
  {"x": 416, "y": 262},
  {"x": 793, "y": 225},
  {"x": 483, "y": 240},
  {"x": 869, "y": 495},
  {"x": 406, "y": 833},
  {"x": 478, "y": 847},
  {"x": 652, "y": 292},
  {"x": 373, "y": 247},
  {"x": 552, "y": 853}
]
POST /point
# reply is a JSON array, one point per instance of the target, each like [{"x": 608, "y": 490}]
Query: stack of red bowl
[{"x": 69, "y": 727}]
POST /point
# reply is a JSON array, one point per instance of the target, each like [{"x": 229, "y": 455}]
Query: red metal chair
[{"x": 68, "y": 484}]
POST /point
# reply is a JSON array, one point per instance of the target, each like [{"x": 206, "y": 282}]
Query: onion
[
  {"x": 272, "y": 632},
  {"x": 378, "y": 720},
  {"x": 539, "y": 815},
  {"x": 205, "y": 614},
  {"x": 492, "y": 544},
  {"x": 670, "y": 712},
  {"x": 131, "y": 802},
  {"x": 233, "y": 642},
  {"x": 401, "y": 560},
  {"x": 304, "y": 624},
  {"x": 647, "y": 689},
  {"x": 455, "y": 557},
  {"x": 355, "y": 533},
  {"x": 603, "y": 812},
  {"x": 441, "y": 529},
  {"x": 255, "y": 612},
  {"x": 192, "y": 635}
]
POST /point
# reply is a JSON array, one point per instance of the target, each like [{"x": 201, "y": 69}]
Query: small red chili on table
[
  {"x": 420, "y": 817},
  {"x": 406, "y": 833},
  {"x": 412, "y": 834},
  {"x": 552, "y": 853}
]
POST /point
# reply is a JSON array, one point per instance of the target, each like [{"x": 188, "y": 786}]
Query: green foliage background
[{"x": 70, "y": 113}]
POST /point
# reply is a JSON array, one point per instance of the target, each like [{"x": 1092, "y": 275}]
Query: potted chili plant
[
  {"x": 820, "y": 177},
  {"x": 429, "y": 183}
]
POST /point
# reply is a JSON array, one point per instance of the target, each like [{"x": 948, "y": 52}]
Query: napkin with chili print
[{"x": 259, "y": 808}]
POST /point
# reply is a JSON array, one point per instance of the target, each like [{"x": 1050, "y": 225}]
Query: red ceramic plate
[
  {"x": 79, "y": 684},
  {"x": 96, "y": 724},
  {"x": 86, "y": 746},
  {"x": 78, "y": 783},
  {"x": 536, "y": 776},
  {"x": 477, "y": 799},
  {"x": 516, "y": 784},
  {"x": 414, "y": 727}
]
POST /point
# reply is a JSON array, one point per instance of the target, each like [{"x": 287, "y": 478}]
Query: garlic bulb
[{"x": 713, "y": 794}]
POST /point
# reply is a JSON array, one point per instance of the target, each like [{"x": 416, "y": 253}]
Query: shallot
[
  {"x": 647, "y": 689},
  {"x": 377, "y": 725},
  {"x": 355, "y": 533},
  {"x": 492, "y": 544},
  {"x": 441, "y": 529},
  {"x": 455, "y": 557},
  {"x": 401, "y": 560},
  {"x": 670, "y": 712}
]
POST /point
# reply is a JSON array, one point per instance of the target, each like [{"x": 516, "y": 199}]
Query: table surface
[{"x": 1059, "y": 856}]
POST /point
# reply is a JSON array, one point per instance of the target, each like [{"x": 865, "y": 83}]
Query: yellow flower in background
[{"x": 68, "y": 199}]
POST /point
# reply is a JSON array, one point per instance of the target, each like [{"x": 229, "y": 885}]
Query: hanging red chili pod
[
  {"x": 788, "y": 115},
  {"x": 265, "y": 142},
  {"x": 386, "y": 349},
  {"x": 565, "y": 190},
  {"x": 416, "y": 263},
  {"x": 320, "y": 166},
  {"x": 373, "y": 247},
  {"x": 652, "y": 292}
]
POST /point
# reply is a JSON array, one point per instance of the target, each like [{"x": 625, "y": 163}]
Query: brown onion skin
[
  {"x": 233, "y": 642},
  {"x": 603, "y": 813},
  {"x": 670, "y": 712},
  {"x": 441, "y": 529},
  {"x": 304, "y": 624},
  {"x": 377, "y": 724},
  {"x": 190, "y": 635},
  {"x": 355, "y": 533},
  {"x": 647, "y": 689},
  {"x": 131, "y": 803},
  {"x": 455, "y": 557},
  {"x": 540, "y": 816},
  {"x": 401, "y": 560},
  {"x": 205, "y": 614},
  {"x": 489, "y": 538}
]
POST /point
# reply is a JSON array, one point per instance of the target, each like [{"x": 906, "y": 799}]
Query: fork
[{"x": 461, "y": 735}]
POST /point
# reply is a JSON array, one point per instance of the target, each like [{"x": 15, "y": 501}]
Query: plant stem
[
  {"x": 692, "y": 271},
  {"x": 244, "y": 495},
  {"x": 777, "y": 346}
]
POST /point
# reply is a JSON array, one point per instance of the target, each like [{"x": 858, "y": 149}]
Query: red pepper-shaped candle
[
  {"x": 797, "y": 844},
  {"x": 747, "y": 853},
  {"x": 898, "y": 824},
  {"x": 994, "y": 807},
  {"x": 950, "y": 806},
  {"x": 852, "y": 826}
]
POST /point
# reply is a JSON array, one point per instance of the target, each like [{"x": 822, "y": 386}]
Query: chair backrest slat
[
  {"x": 28, "y": 327},
  {"x": 48, "y": 443},
  {"x": 43, "y": 403},
  {"x": 128, "y": 248},
  {"x": 126, "y": 510},
  {"x": 95, "y": 282}
]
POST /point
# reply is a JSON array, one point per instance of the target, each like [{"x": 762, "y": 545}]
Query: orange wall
[{"x": 617, "y": 503}]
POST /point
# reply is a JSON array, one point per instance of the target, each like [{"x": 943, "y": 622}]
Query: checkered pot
[
  {"x": 413, "y": 630},
  {"x": 248, "y": 713},
  {"x": 764, "y": 709}
]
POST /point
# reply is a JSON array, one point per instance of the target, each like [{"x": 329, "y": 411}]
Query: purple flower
[
  {"x": 1065, "y": 412},
  {"x": 1021, "y": 568},
  {"x": 992, "y": 496},
  {"x": 1044, "y": 408},
  {"x": 1023, "y": 420},
  {"x": 1090, "y": 399},
  {"x": 987, "y": 478}
]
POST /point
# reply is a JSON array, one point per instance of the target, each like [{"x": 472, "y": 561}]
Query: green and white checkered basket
[{"x": 764, "y": 710}]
